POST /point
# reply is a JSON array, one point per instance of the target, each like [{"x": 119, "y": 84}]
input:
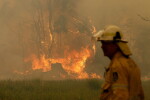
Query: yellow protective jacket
[{"x": 122, "y": 80}]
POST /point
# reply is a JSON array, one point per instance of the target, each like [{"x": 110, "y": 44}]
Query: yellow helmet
[
  {"x": 113, "y": 33},
  {"x": 110, "y": 33}
]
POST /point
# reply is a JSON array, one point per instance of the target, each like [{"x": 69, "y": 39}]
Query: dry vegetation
[{"x": 54, "y": 90}]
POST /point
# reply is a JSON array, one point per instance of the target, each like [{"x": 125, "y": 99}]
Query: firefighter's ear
[{"x": 115, "y": 76}]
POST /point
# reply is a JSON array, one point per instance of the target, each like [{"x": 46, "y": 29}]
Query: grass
[
  {"x": 146, "y": 87},
  {"x": 54, "y": 90}
]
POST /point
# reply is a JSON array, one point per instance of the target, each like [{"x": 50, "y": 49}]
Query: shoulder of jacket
[
  {"x": 120, "y": 62},
  {"x": 124, "y": 60}
]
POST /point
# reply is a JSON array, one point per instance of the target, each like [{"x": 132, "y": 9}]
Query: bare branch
[{"x": 143, "y": 18}]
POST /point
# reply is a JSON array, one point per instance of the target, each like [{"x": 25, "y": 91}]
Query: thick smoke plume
[{"x": 54, "y": 29}]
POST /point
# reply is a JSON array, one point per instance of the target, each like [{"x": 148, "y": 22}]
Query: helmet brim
[{"x": 124, "y": 41}]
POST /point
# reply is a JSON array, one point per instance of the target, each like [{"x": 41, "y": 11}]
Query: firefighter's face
[{"x": 109, "y": 48}]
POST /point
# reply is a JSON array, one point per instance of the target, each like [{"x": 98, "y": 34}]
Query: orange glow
[
  {"x": 74, "y": 61},
  {"x": 72, "y": 58},
  {"x": 41, "y": 63},
  {"x": 51, "y": 37},
  {"x": 146, "y": 78},
  {"x": 83, "y": 75},
  {"x": 94, "y": 48},
  {"x": 94, "y": 75}
]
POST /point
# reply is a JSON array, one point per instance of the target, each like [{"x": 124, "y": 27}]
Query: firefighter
[{"x": 122, "y": 76}]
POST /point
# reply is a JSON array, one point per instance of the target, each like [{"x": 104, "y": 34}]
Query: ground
[{"x": 55, "y": 90}]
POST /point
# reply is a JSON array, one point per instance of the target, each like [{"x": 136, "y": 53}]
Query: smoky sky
[{"x": 16, "y": 17}]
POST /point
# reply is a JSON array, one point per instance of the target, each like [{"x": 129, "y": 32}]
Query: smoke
[
  {"x": 23, "y": 22},
  {"x": 125, "y": 15}
]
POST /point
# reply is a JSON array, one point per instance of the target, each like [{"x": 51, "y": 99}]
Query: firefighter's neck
[
  {"x": 114, "y": 54},
  {"x": 111, "y": 56}
]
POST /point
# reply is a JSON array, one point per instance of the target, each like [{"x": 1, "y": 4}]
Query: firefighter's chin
[{"x": 105, "y": 53}]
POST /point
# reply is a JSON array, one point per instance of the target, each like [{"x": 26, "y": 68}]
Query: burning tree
[{"x": 60, "y": 35}]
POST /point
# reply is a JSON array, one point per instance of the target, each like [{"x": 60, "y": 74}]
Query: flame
[
  {"x": 74, "y": 61},
  {"x": 41, "y": 63},
  {"x": 71, "y": 60},
  {"x": 94, "y": 49},
  {"x": 51, "y": 37},
  {"x": 94, "y": 75},
  {"x": 83, "y": 75}
]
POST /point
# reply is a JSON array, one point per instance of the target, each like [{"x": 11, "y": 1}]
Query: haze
[{"x": 18, "y": 27}]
